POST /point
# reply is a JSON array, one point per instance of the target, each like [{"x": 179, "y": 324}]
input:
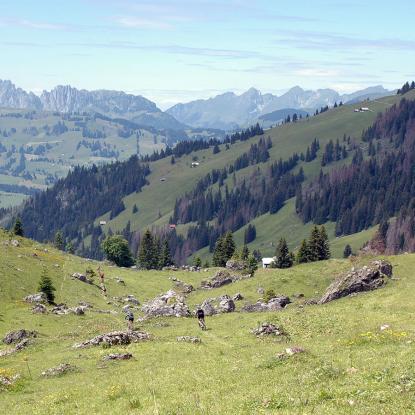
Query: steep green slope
[{"x": 349, "y": 367}]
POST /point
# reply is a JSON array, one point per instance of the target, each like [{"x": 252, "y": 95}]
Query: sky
[{"x": 179, "y": 50}]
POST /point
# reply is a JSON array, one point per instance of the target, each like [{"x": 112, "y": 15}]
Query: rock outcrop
[
  {"x": 236, "y": 265},
  {"x": 60, "y": 370},
  {"x": 18, "y": 335},
  {"x": 36, "y": 298},
  {"x": 275, "y": 304},
  {"x": 268, "y": 329},
  {"x": 217, "y": 305},
  {"x": 168, "y": 304},
  {"x": 367, "y": 278},
  {"x": 182, "y": 286},
  {"x": 189, "y": 339},
  {"x": 118, "y": 356},
  {"x": 81, "y": 277},
  {"x": 39, "y": 309},
  {"x": 115, "y": 338},
  {"x": 62, "y": 309},
  {"x": 222, "y": 278}
]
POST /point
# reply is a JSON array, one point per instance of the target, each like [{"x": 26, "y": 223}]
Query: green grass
[{"x": 349, "y": 366}]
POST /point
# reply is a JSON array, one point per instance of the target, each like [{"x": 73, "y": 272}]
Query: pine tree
[
  {"x": 347, "y": 251},
  {"x": 218, "y": 253},
  {"x": 324, "y": 246},
  {"x": 46, "y": 287},
  {"x": 135, "y": 208},
  {"x": 228, "y": 246},
  {"x": 70, "y": 248},
  {"x": 313, "y": 244},
  {"x": 165, "y": 257},
  {"x": 303, "y": 254},
  {"x": 18, "y": 228},
  {"x": 146, "y": 254},
  {"x": 252, "y": 264},
  {"x": 197, "y": 262},
  {"x": 59, "y": 242},
  {"x": 283, "y": 256},
  {"x": 244, "y": 253}
]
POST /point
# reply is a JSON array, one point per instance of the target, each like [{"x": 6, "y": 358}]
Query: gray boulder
[
  {"x": 226, "y": 304},
  {"x": 237, "y": 297},
  {"x": 115, "y": 338},
  {"x": 268, "y": 329},
  {"x": 367, "y": 278},
  {"x": 36, "y": 298},
  {"x": 220, "y": 279},
  {"x": 168, "y": 304},
  {"x": 236, "y": 265},
  {"x": 81, "y": 277},
  {"x": 18, "y": 335},
  {"x": 189, "y": 339},
  {"x": 39, "y": 309},
  {"x": 60, "y": 370},
  {"x": 118, "y": 356},
  {"x": 275, "y": 304}
]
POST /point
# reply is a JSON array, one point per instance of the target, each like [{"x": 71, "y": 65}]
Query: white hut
[{"x": 267, "y": 262}]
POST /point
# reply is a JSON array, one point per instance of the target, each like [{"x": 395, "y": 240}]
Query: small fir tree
[
  {"x": 165, "y": 256},
  {"x": 59, "y": 242},
  {"x": 347, "y": 251},
  {"x": 283, "y": 257},
  {"x": 146, "y": 254},
  {"x": 197, "y": 262},
  {"x": 47, "y": 288},
  {"x": 18, "y": 228},
  {"x": 303, "y": 254}
]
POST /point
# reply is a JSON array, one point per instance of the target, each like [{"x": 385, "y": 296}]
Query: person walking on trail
[
  {"x": 130, "y": 320},
  {"x": 102, "y": 284},
  {"x": 200, "y": 314}
]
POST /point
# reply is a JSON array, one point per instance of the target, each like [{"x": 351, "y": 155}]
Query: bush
[{"x": 269, "y": 294}]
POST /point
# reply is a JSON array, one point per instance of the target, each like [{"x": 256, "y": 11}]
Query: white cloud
[{"x": 140, "y": 23}]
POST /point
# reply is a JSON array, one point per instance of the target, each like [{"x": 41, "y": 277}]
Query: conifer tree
[
  {"x": 303, "y": 254},
  {"x": 313, "y": 244},
  {"x": 18, "y": 228},
  {"x": 46, "y": 287},
  {"x": 324, "y": 246},
  {"x": 244, "y": 253},
  {"x": 70, "y": 248},
  {"x": 283, "y": 257},
  {"x": 197, "y": 262},
  {"x": 252, "y": 264},
  {"x": 228, "y": 246},
  {"x": 347, "y": 251},
  {"x": 218, "y": 253},
  {"x": 59, "y": 242},
  {"x": 146, "y": 254},
  {"x": 165, "y": 256}
]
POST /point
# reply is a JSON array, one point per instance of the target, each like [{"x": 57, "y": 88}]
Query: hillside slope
[{"x": 349, "y": 367}]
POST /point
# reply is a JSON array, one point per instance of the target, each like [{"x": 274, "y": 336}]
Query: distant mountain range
[
  {"x": 227, "y": 111},
  {"x": 68, "y": 99},
  {"x": 230, "y": 111}
]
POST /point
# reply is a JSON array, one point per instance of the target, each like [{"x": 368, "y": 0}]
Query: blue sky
[{"x": 172, "y": 51}]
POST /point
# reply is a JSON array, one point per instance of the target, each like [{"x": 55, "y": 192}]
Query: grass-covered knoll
[{"x": 349, "y": 367}]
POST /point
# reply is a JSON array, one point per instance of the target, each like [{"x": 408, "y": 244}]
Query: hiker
[
  {"x": 130, "y": 320},
  {"x": 101, "y": 275},
  {"x": 200, "y": 314}
]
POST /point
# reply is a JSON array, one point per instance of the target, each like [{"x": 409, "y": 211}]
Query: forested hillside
[{"x": 196, "y": 192}]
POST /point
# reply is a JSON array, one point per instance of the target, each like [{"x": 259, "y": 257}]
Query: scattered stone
[
  {"x": 237, "y": 297},
  {"x": 299, "y": 295},
  {"x": 189, "y": 339},
  {"x": 81, "y": 277},
  {"x": 182, "y": 286},
  {"x": 168, "y": 304},
  {"x": 190, "y": 268},
  {"x": 118, "y": 356},
  {"x": 220, "y": 279},
  {"x": 115, "y": 338},
  {"x": 36, "y": 298},
  {"x": 260, "y": 291},
  {"x": 85, "y": 304},
  {"x": 39, "y": 309},
  {"x": 18, "y": 335},
  {"x": 130, "y": 299},
  {"x": 367, "y": 278},
  {"x": 119, "y": 281},
  {"x": 15, "y": 243},
  {"x": 236, "y": 265},
  {"x": 63, "y": 309},
  {"x": 208, "y": 308},
  {"x": 384, "y": 327},
  {"x": 351, "y": 370},
  {"x": 290, "y": 351},
  {"x": 226, "y": 304},
  {"x": 60, "y": 370},
  {"x": 6, "y": 381},
  {"x": 19, "y": 346},
  {"x": 268, "y": 329},
  {"x": 275, "y": 304}
]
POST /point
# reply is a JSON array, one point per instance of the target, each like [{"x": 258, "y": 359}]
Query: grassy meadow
[{"x": 349, "y": 365}]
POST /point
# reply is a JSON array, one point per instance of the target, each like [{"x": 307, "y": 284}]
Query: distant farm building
[
  {"x": 102, "y": 222},
  {"x": 162, "y": 179},
  {"x": 172, "y": 226},
  {"x": 267, "y": 262},
  {"x": 195, "y": 163}
]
